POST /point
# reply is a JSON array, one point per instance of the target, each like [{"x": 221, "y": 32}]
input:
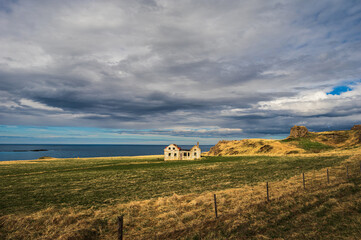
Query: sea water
[{"x": 34, "y": 151}]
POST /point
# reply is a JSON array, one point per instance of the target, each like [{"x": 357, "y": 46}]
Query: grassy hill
[
  {"x": 312, "y": 142},
  {"x": 80, "y": 199}
]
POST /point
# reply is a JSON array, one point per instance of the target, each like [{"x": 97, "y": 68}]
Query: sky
[{"x": 156, "y": 72}]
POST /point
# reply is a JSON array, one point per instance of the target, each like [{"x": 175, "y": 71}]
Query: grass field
[
  {"x": 79, "y": 199},
  {"x": 28, "y": 187}
]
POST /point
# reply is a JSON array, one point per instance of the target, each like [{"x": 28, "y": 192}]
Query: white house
[{"x": 173, "y": 152}]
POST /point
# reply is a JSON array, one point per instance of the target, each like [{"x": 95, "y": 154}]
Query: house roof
[
  {"x": 174, "y": 145},
  {"x": 181, "y": 149}
]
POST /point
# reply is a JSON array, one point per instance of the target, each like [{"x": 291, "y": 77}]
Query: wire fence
[{"x": 308, "y": 181}]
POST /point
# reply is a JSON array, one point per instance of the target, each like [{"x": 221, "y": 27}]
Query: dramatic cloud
[
  {"x": 200, "y": 132},
  {"x": 203, "y": 69}
]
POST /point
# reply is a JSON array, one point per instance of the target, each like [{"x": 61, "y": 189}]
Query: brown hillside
[
  {"x": 299, "y": 141},
  {"x": 253, "y": 146},
  {"x": 339, "y": 139}
]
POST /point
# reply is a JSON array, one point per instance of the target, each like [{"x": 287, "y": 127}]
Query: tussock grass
[{"x": 322, "y": 211}]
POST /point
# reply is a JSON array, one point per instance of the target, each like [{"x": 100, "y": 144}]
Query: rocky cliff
[{"x": 298, "y": 131}]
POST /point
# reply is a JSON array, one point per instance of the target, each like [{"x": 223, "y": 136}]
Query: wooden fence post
[
  {"x": 120, "y": 227},
  {"x": 215, "y": 205},
  {"x": 303, "y": 181},
  {"x": 347, "y": 172},
  {"x": 328, "y": 177},
  {"x": 267, "y": 192}
]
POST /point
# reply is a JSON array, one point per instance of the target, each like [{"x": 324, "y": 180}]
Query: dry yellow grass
[
  {"x": 254, "y": 147},
  {"x": 243, "y": 213},
  {"x": 317, "y": 142},
  {"x": 145, "y": 157},
  {"x": 338, "y": 138}
]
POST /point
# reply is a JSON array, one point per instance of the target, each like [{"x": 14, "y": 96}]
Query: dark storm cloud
[{"x": 206, "y": 67}]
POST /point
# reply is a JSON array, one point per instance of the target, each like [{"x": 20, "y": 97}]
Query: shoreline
[{"x": 85, "y": 158}]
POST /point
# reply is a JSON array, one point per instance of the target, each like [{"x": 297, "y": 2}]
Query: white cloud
[
  {"x": 314, "y": 102},
  {"x": 37, "y": 105},
  {"x": 24, "y": 55}
]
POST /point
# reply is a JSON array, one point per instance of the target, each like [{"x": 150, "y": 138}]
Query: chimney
[{"x": 197, "y": 144}]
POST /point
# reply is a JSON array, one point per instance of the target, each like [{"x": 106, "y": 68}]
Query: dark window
[
  {"x": 169, "y": 148},
  {"x": 169, "y": 154},
  {"x": 175, "y": 154},
  {"x": 195, "y": 153},
  {"x": 185, "y": 154},
  {"x": 173, "y": 148}
]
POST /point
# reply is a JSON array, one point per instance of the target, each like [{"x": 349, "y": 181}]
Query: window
[
  {"x": 169, "y": 154},
  {"x": 185, "y": 154},
  {"x": 174, "y": 148},
  {"x": 188, "y": 154},
  {"x": 195, "y": 153},
  {"x": 169, "y": 148},
  {"x": 175, "y": 154}
]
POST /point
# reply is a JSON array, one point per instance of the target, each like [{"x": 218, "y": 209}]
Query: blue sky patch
[{"x": 339, "y": 89}]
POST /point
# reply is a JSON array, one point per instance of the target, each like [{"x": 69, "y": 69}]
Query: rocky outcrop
[
  {"x": 356, "y": 127},
  {"x": 298, "y": 131}
]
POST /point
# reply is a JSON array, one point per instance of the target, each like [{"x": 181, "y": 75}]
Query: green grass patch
[
  {"x": 28, "y": 187},
  {"x": 311, "y": 146},
  {"x": 307, "y": 144}
]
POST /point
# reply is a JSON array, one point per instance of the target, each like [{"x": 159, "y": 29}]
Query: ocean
[{"x": 34, "y": 151}]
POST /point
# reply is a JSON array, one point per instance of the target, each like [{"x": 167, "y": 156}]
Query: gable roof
[
  {"x": 173, "y": 145},
  {"x": 181, "y": 149}
]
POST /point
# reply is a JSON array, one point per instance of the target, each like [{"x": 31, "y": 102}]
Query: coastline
[
  {"x": 87, "y": 158},
  {"x": 19, "y": 152}
]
